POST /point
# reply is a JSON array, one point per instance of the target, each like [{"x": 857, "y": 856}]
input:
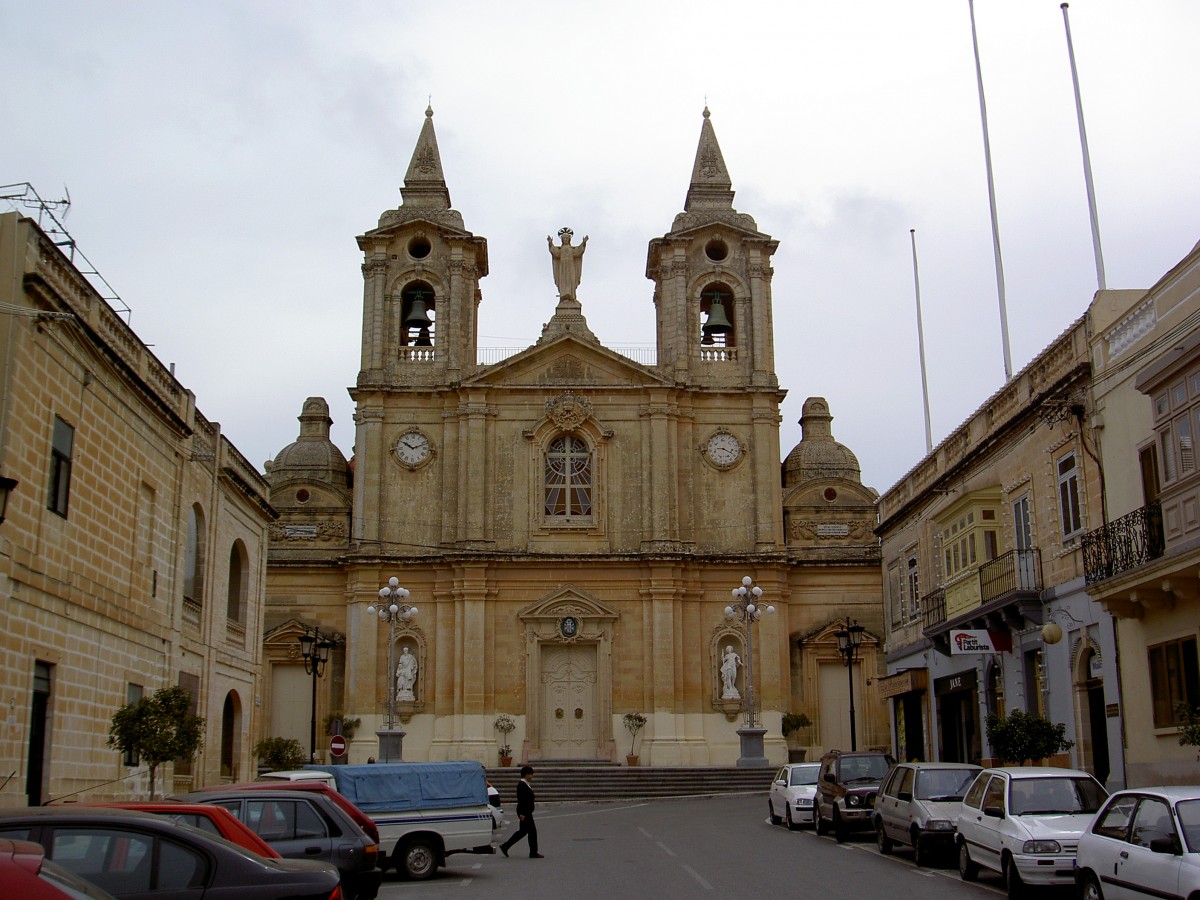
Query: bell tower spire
[
  {"x": 711, "y": 187},
  {"x": 424, "y": 183}
]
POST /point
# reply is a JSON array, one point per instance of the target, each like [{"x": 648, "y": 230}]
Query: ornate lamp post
[
  {"x": 315, "y": 649},
  {"x": 747, "y": 609},
  {"x": 392, "y": 610},
  {"x": 849, "y": 639}
]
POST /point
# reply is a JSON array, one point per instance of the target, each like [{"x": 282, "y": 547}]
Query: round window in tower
[
  {"x": 302, "y": 496},
  {"x": 716, "y": 250},
  {"x": 830, "y": 494},
  {"x": 419, "y": 247}
]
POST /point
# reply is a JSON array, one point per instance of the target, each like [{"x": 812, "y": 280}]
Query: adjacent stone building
[
  {"x": 132, "y": 548},
  {"x": 570, "y": 521}
]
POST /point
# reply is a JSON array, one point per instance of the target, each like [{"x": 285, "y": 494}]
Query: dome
[
  {"x": 313, "y": 456},
  {"x": 818, "y": 455}
]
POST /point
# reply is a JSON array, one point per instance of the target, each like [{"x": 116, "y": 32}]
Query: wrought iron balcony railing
[
  {"x": 934, "y": 604},
  {"x": 1016, "y": 570},
  {"x": 1123, "y": 544}
]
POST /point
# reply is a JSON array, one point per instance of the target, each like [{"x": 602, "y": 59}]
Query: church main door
[{"x": 569, "y": 701}]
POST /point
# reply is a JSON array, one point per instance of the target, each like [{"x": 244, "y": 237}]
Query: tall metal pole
[
  {"x": 850, "y": 678},
  {"x": 1087, "y": 159},
  {"x": 987, "y": 159},
  {"x": 912, "y": 232},
  {"x": 393, "y": 610}
]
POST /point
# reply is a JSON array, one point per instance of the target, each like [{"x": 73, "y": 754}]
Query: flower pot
[
  {"x": 797, "y": 754},
  {"x": 506, "y": 761},
  {"x": 631, "y": 760}
]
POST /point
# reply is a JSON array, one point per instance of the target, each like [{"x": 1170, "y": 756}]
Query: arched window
[
  {"x": 568, "y": 478},
  {"x": 193, "y": 562},
  {"x": 230, "y": 725},
  {"x": 239, "y": 578},
  {"x": 716, "y": 307},
  {"x": 416, "y": 315}
]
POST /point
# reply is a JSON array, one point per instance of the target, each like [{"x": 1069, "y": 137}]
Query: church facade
[{"x": 570, "y": 522}]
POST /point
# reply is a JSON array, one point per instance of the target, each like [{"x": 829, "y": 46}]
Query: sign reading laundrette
[{"x": 963, "y": 640}]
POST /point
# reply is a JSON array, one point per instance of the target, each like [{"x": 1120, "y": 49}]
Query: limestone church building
[{"x": 570, "y": 522}]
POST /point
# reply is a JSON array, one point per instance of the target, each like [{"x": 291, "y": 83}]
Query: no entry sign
[{"x": 337, "y": 745}]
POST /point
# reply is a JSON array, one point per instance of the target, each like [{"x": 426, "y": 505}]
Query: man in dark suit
[{"x": 524, "y": 815}]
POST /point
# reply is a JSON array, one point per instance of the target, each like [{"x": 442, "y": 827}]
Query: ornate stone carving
[
  {"x": 568, "y": 410},
  {"x": 308, "y": 531}
]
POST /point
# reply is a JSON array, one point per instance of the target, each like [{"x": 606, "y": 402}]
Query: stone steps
[{"x": 559, "y": 782}]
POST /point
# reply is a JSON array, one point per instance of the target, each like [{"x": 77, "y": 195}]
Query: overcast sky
[{"x": 222, "y": 156}]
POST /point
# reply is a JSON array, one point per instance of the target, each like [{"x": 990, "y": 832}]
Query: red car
[
  {"x": 320, "y": 787},
  {"x": 213, "y": 819},
  {"x": 25, "y": 872}
]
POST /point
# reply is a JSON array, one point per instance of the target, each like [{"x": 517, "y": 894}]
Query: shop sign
[{"x": 964, "y": 640}]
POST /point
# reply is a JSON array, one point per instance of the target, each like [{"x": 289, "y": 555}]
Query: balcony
[
  {"x": 1009, "y": 589},
  {"x": 1126, "y": 543}
]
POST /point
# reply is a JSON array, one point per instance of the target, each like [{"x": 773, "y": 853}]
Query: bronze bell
[
  {"x": 417, "y": 317},
  {"x": 423, "y": 339},
  {"x": 717, "y": 323}
]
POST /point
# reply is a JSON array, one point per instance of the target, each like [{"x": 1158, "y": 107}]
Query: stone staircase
[{"x": 556, "y": 782}]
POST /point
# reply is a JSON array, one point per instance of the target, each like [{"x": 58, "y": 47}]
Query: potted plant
[
  {"x": 1021, "y": 736},
  {"x": 792, "y": 723},
  {"x": 505, "y": 725},
  {"x": 1189, "y": 726},
  {"x": 634, "y": 722}
]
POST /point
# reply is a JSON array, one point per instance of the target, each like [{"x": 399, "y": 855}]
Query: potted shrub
[
  {"x": 1021, "y": 736},
  {"x": 279, "y": 754},
  {"x": 505, "y": 725},
  {"x": 791, "y": 726},
  {"x": 634, "y": 722}
]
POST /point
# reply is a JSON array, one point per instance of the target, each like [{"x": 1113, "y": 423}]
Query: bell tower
[
  {"x": 712, "y": 284},
  {"x": 421, "y": 271}
]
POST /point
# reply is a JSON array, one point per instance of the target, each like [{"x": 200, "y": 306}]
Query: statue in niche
[
  {"x": 406, "y": 675},
  {"x": 729, "y": 666},
  {"x": 567, "y": 263}
]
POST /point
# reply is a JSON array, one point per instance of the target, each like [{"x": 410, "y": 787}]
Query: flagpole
[
  {"x": 921, "y": 343},
  {"x": 987, "y": 158},
  {"x": 1087, "y": 159}
]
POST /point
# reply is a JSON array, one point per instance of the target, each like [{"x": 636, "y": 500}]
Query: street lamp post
[
  {"x": 849, "y": 639},
  {"x": 314, "y": 647},
  {"x": 746, "y": 608},
  {"x": 394, "y": 611}
]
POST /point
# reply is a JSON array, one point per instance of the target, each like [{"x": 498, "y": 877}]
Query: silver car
[
  {"x": 792, "y": 793},
  {"x": 1143, "y": 843},
  {"x": 917, "y": 806}
]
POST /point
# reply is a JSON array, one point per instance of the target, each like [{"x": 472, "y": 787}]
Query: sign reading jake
[{"x": 964, "y": 640}]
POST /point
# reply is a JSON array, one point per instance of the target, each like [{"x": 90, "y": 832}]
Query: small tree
[
  {"x": 505, "y": 725},
  {"x": 793, "y": 722},
  {"x": 278, "y": 754},
  {"x": 349, "y": 726},
  {"x": 158, "y": 728},
  {"x": 1021, "y": 736},
  {"x": 634, "y": 722},
  {"x": 1189, "y": 726}
]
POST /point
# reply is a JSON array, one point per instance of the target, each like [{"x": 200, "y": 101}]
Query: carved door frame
[{"x": 567, "y": 615}]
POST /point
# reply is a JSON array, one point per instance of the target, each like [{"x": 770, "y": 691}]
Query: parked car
[
  {"x": 133, "y": 854},
  {"x": 425, "y": 811},
  {"x": 306, "y": 825},
  {"x": 917, "y": 806},
  {"x": 25, "y": 872},
  {"x": 213, "y": 819},
  {"x": 792, "y": 792},
  {"x": 296, "y": 775},
  {"x": 1024, "y": 822},
  {"x": 1143, "y": 843},
  {"x": 846, "y": 790},
  {"x": 317, "y": 785}
]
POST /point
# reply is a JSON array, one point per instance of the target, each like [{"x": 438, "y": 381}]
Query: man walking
[{"x": 524, "y": 815}]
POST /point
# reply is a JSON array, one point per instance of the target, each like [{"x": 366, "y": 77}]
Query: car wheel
[
  {"x": 821, "y": 825},
  {"x": 921, "y": 852},
  {"x": 418, "y": 859},
  {"x": 968, "y": 870},
  {"x": 1012, "y": 879},
  {"x": 771, "y": 810},
  {"x": 885, "y": 843},
  {"x": 792, "y": 826},
  {"x": 839, "y": 830},
  {"x": 816, "y": 816},
  {"x": 1090, "y": 888}
]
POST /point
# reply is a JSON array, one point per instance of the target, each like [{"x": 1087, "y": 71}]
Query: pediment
[
  {"x": 850, "y": 494},
  {"x": 401, "y": 221},
  {"x": 567, "y": 362},
  {"x": 567, "y": 600}
]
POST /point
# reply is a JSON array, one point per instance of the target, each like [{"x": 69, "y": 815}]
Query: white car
[
  {"x": 1145, "y": 842},
  {"x": 1025, "y": 822},
  {"x": 792, "y": 793},
  {"x": 918, "y": 805}
]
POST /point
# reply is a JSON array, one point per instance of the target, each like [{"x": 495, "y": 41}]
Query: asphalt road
[{"x": 712, "y": 847}]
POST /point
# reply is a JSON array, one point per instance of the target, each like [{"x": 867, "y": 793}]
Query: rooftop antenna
[{"x": 921, "y": 343}]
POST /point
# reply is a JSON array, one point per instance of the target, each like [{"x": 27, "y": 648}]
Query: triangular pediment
[
  {"x": 399, "y": 222},
  {"x": 567, "y": 362},
  {"x": 567, "y": 600}
]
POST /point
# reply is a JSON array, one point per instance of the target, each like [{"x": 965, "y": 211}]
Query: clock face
[
  {"x": 724, "y": 449},
  {"x": 413, "y": 448}
]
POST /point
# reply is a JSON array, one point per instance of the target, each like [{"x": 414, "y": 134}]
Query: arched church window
[
  {"x": 568, "y": 478},
  {"x": 239, "y": 580},
  {"x": 716, "y": 308},
  {"x": 417, "y": 306}
]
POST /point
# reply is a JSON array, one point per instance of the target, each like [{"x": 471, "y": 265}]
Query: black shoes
[{"x": 533, "y": 856}]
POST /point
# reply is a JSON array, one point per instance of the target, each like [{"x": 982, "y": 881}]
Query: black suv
[{"x": 846, "y": 789}]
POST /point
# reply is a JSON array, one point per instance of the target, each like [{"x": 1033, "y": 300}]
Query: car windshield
[
  {"x": 1046, "y": 796},
  {"x": 864, "y": 768},
  {"x": 1189, "y": 817},
  {"x": 804, "y": 775},
  {"x": 944, "y": 784}
]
